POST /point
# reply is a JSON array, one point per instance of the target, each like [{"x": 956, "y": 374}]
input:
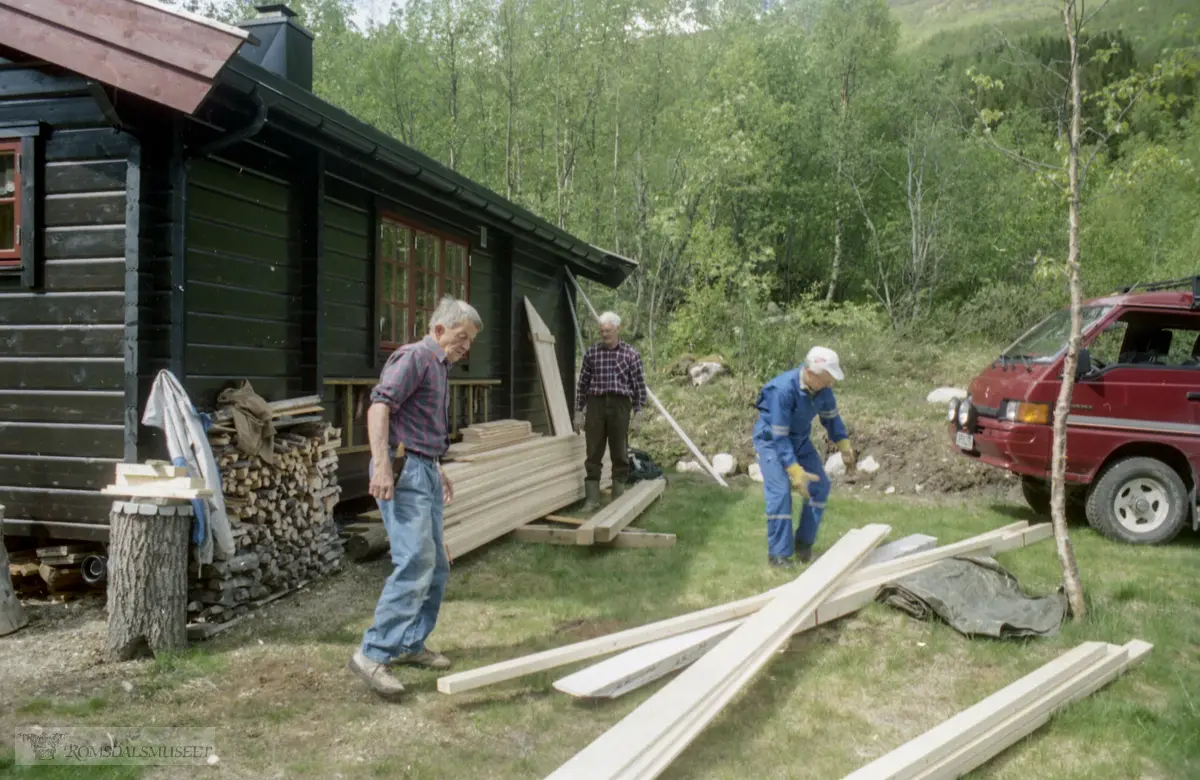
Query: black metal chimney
[{"x": 284, "y": 46}]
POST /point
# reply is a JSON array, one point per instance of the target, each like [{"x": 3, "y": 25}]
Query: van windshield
[{"x": 1047, "y": 340}]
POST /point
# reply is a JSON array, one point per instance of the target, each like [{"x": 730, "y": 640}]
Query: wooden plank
[
  {"x": 85, "y": 209},
  {"x": 629, "y": 507},
  {"x": 906, "y": 761},
  {"x": 79, "y": 440},
  {"x": 65, "y": 342},
  {"x": 646, "y": 663},
  {"x": 89, "y": 144},
  {"x": 106, "y": 175},
  {"x": 464, "y": 538},
  {"x": 73, "y": 374},
  {"x": 151, "y": 470},
  {"x": 56, "y": 472},
  {"x": 622, "y": 640},
  {"x": 1024, "y": 722},
  {"x": 54, "y": 505},
  {"x": 66, "y": 243},
  {"x": 90, "y": 274},
  {"x": 154, "y": 490},
  {"x": 648, "y": 738},
  {"x": 552, "y": 383},
  {"x": 630, "y": 539},
  {"x": 62, "y": 308},
  {"x": 49, "y": 529},
  {"x": 104, "y": 407}
]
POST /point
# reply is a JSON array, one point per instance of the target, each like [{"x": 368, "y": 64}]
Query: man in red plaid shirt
[{"x": 612, "y": 383}]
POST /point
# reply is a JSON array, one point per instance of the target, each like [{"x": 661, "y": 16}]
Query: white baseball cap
[{"x": 823, "y": 359}]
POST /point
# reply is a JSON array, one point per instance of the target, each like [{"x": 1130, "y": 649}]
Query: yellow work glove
[
  {"x": 800, "y": 479},
  {"x": 848, "y": 457}
]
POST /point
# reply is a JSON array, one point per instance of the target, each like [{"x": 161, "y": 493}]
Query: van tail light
[{"x": 1029, "y": 413}]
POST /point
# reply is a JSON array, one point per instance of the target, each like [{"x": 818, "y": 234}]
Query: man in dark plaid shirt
[
  {"x": 406, "y": 425},
  {"x": 612, "y": 383}
]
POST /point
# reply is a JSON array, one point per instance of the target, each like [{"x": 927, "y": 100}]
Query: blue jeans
[
  {"x": 408, "y": 607},
  {"x": 777, "y": 490}
]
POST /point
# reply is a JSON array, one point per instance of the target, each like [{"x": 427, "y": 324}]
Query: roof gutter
[{"x": 234, "y": 136}]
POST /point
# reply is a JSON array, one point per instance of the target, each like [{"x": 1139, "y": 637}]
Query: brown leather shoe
[{"x": 377, "y": 676}]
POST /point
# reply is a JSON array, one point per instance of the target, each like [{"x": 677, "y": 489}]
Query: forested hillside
[{"x": 901, "y": 160}]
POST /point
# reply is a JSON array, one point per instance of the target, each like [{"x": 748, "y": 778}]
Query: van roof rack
[{"x": 1173, "y": 284}]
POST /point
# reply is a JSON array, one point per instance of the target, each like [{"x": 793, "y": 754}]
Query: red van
[{"x": 1133, "y": 433}]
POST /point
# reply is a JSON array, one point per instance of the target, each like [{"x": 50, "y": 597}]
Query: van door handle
[{"x": 1194, "y": 396}]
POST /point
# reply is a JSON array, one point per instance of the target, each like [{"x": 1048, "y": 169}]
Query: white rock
[
  {"x": 891, "y": 489},
  {"x": 724, "y": 464},
  {"x": 755, "y": 472},
  {"x": 684, "y": 466},
  {"x": 943, "y": 395},
  {"x": 834, "y": 466},
  {"x": 703, "y": 372},
  {"x": 868, "y": 465}
]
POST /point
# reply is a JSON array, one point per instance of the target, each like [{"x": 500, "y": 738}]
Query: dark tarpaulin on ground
[{"x": 977, "y": 597}]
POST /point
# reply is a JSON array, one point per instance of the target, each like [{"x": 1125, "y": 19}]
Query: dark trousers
[{"x": 607, "y": 425}]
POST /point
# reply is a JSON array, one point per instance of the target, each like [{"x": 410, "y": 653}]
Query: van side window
[
  {"x": 1106, "y": 349},
  {"x": 1149, "y": 339}
]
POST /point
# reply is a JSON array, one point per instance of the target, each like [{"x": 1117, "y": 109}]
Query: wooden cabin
[{"x": 174, "y": 196}]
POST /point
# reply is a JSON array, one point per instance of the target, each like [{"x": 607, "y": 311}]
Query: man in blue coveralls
[{"x": 787, "y": 456}]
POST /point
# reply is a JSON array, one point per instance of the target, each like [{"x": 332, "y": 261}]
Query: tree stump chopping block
[
  {"x": 12, "y": 615},
  {"x": 147, "y": 580}
]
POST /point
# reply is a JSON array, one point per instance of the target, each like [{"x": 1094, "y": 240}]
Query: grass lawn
[{"x": 283, "y": 704}]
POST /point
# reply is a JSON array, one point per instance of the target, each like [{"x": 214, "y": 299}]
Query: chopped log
[
  {"x": 147, "y": 589},
  {"x": 369, "y": 543}
]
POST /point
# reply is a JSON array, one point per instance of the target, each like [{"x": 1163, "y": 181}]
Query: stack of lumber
[
  {"x": 280, "y": 515},
  {"x": 484, "y": 437},
  {"x": 978, "y": 733},
  {"x": 500, "y": 490}
]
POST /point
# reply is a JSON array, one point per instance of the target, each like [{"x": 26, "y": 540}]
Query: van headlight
[
  {"x": 964, "y": 412},
  {"x": 952, "y": 410},
  {"x": 1026, "y": 412}
]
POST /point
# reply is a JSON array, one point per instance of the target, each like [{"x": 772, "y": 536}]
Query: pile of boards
[
  {"x": 501, "y": 490},
  {"x": 483, "y": 437},
  {"x": 722, "y": 648}
]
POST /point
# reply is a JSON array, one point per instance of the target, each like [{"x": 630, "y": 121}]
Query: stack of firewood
[{"x": 281, "y": 514}]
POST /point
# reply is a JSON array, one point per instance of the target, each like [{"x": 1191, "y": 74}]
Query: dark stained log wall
[{"x": 62, "y": 370}]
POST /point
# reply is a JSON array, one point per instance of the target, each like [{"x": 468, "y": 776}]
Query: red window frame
[
  {"x": 11, "y": 258},
  {"x": 417, "y": 266}
]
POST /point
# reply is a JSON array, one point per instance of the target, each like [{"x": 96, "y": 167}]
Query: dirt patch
[{"x": 578, "y": 630}]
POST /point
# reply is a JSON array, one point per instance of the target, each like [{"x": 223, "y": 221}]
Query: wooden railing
[{"x": 470, "y": 403}]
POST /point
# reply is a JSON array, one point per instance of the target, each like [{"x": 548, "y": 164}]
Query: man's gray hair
[
  {"x": 451, "y": 312},
  {"x": 610, "y": 318}
]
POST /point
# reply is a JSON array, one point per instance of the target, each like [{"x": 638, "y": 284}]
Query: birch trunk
[{"x": 1058, "y": 515}]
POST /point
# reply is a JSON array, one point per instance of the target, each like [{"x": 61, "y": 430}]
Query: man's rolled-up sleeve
[{"x": 398, "y": 380}]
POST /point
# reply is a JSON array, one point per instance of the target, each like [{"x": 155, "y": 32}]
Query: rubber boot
[
  {"x": 618, "y": 487},
  {"x": 591, "y": 496}
]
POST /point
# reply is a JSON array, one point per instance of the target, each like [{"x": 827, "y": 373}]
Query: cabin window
[
  {"x": 416, "y": 268},
  {"x": 10, "y": 204}
]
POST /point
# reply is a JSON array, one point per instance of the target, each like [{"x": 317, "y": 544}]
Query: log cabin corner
[{"x": 173, "y": 195}]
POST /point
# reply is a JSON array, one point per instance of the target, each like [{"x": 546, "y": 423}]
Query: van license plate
[{"x": 964, "y": 441}]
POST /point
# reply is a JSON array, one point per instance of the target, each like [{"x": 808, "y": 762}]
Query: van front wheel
[{"x": 1138, "y": 501}]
